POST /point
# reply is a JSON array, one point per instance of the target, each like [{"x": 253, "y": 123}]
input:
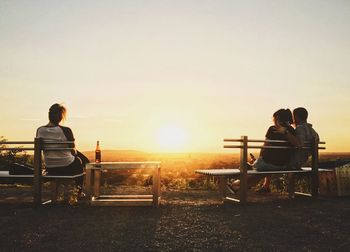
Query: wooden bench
[
  {"x": 38, "y": 145},
  {"x": 242, "y": 172}
]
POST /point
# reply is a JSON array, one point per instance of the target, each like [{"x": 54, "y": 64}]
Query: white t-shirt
[{"x": 57, "y": 158}]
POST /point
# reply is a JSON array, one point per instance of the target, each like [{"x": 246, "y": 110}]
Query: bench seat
[
  {"x": 6, "y": 174},
  {"x": 55, "y": 180},
  {"x": 235, "y": 172}
]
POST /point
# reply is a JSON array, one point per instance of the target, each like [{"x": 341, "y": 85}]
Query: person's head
[
  {"x": 300, "y": 115},
  {"x": 282, "y": 117},
  {"x": 57, "y": 113}
]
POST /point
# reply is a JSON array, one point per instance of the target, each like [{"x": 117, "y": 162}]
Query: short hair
[
  {"x": 284, "y": 115},
  {"x": 301, "y": 113},
  {"x": 57, "y": 113}
]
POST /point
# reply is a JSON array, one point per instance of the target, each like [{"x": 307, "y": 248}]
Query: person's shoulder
[
  {"x": 43, "y": 127},
  {"x": 309, "y": 125},
  {"x": 40, "y": 130},
  {"x": 271, "y": 128},
  {"x": 270, "y": 131},
  {"x": 65, "y": 128},
  {"x": 67, "y": 132}
]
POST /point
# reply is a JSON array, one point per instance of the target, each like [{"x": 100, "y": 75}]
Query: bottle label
[{"x": 98, "y": 157}]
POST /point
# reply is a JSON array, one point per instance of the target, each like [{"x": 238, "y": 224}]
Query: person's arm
[
  {"x": 69, "y": 135},
  {"x": 295, "y": 141},
  {"x": 268, "y": 136},
  {"x": 37, "y": 132},
  {"x": 71, "y": 138},
  {"x": 262, "y": 150}
]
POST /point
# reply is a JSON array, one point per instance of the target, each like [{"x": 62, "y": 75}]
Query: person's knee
[{"x": 259, "y": 164}]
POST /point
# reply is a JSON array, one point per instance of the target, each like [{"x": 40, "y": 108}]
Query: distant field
[
  {"x": 198, "y": 160},
  {"x": 178, "y": 168}
]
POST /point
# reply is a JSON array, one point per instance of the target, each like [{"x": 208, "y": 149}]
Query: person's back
[
  {"x": 61, "y": 162},
  {"x": 274, "y": 158},
  {"x": 279, "y": 157},
  {"x": 57, "y": 158},
  {"x": 305, "y": 133}
]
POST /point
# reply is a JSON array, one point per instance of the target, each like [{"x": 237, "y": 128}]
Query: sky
[{"x": 174, "y": 75}]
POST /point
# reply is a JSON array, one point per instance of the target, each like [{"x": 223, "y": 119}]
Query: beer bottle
[
  {"x": 98, "y": 153},
  {"x": 252, "y": 157}
]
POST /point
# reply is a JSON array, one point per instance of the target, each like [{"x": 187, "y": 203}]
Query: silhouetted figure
[
  {"x": 61, "y": 162},
  {"x": 305, "y": 133},
  {"x": 277, "y": 159},
  {"x": 274, "y": 159}
]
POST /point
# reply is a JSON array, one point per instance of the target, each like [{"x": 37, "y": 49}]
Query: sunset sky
[{"x": 131, "y": 73}]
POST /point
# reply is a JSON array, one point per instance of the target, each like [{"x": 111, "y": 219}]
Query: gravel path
[{"x": 186, "y": 221}]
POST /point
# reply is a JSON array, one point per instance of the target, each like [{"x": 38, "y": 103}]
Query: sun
[{"x": 172, "y": 138}]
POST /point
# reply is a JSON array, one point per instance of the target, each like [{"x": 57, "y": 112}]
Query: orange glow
[{"x": 172, "y": 138}]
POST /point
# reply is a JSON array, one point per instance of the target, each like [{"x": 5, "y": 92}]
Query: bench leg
[
  {"x": 156, "y": 187},
  {"x": 97, "y": 181},
  {"x": 291, "y": 185},
  {"x": 223, "y": 186},
  {"x": 54, "y": 191},
  {"x": 88, "y": 180}
]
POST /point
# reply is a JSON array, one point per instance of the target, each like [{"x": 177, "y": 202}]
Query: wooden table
[{"x": 93, "y": 183}]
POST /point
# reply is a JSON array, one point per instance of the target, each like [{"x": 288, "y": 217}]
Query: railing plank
[
  {"x": 270, "y": 147},
  {"x": 19, "y": 149},
  {"x": 17, "y": 142},
  {"x": 37, "y": 171},
  {"x": 266, "y": 141}
]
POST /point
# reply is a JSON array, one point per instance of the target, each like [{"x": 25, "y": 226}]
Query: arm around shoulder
[{"x": 295, "y": 141}]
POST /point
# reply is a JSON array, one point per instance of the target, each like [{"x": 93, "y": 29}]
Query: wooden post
[
  {"x": 291, "y": 185},
  {"x": 156, "y": 185},
  {"x": 223, "y": 187},
  {"x": 37, "y": 171},
  {"x": 314, "y": 179},
  {"x": 243, "y": 170},
  {"x": 54, "y": 190},
  {"x": 88, "y": 179},
  {"x": 97, "y": 181}
]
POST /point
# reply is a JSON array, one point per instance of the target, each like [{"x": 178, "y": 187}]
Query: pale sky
[{"x": 129, "y": 70}]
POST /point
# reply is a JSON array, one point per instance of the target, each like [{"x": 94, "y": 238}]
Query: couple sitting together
[{"x": 283, "y": 159}]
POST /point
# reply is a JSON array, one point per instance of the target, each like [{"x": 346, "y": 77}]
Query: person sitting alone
[{"x": 61, "y": 162}]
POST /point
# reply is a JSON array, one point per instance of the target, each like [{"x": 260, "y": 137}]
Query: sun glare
[{"x": 172, "y": 138}]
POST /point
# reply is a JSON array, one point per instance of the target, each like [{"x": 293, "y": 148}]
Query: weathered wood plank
[
  {"x": 37, "y": 171},
  {"x": 101, "y": 201}
]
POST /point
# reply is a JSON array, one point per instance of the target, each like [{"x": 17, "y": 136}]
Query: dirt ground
[{"x": 186, "y": 221}]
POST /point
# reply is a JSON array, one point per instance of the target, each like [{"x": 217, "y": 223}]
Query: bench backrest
[{"x": 38, "y": 145}]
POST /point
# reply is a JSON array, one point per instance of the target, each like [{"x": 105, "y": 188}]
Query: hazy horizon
[
  {"x": 174, "y": 76},
  {"x": 234, "y": 152}
]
